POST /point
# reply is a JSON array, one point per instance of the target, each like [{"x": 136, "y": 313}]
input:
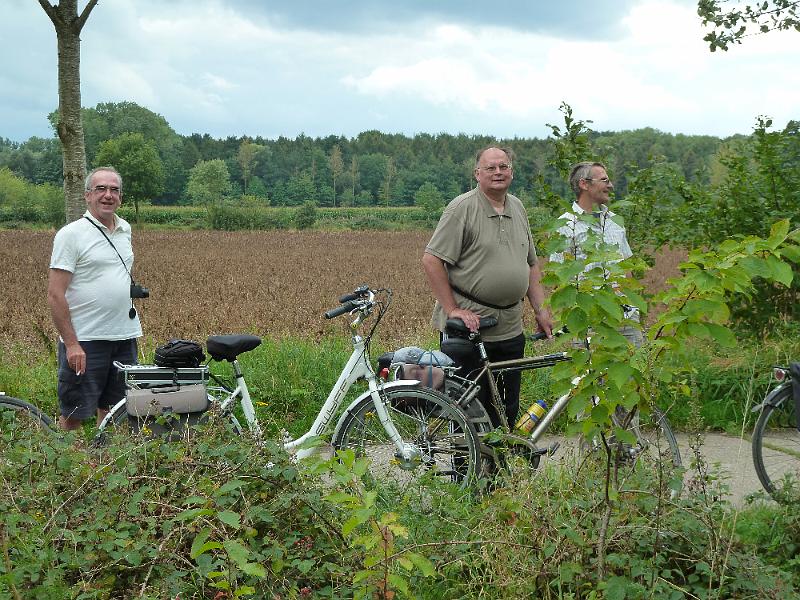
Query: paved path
[{"x": 726, "y": 456}]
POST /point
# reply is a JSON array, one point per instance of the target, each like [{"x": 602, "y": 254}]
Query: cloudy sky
[{"x": 320, "y": 67}]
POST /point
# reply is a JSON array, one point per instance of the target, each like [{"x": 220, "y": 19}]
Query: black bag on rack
[{"x": 179, "y": 354}]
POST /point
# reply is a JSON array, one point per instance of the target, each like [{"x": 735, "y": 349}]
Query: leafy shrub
[{"x": 306, "y": 215}]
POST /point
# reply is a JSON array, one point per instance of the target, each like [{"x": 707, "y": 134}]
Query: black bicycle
[
  {"x": 651, "y": 443},
  {"x": 776, "y": 438}
]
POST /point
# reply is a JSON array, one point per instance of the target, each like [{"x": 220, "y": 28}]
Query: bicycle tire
[
  {"x": 120, "y": 424},
  {"x": 16, "y": 414},
  {"x": 447, "y": 447},
  {"x": 776, "y": 449},
  {"x": 656, "y": 450}
]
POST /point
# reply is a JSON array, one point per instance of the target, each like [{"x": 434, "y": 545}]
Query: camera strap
[
  {"x": 124, "y": 266},
  {"x": 132, "y": 311}
]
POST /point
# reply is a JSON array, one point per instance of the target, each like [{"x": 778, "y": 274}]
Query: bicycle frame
[
  {"x": 491, "y": 369},
  {"x": 357, "y": 367}
]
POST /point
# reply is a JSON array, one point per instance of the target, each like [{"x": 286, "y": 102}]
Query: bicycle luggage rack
[{"x": 140, "y": 376}]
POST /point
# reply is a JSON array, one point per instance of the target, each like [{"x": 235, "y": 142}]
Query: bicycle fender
[
  {"x": 771, "y": 399},
  {"x": 399, "y": 383}
]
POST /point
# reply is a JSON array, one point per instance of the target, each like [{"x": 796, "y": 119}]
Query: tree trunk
[{"x": 68, "y": 25}]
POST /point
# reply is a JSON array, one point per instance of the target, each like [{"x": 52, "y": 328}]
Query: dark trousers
[{"x": 508, "y": 383}]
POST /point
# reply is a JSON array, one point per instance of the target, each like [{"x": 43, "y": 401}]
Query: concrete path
[{"x": 726, "y": 457}]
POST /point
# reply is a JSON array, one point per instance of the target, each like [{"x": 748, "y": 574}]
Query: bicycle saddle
[
  {"x": 457, "y": 327},
  {"x": 228, "y": 347}
]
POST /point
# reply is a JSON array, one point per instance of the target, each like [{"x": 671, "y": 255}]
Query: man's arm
[
  {"x": 436, "y": 273},
  {"x": 57, "y": 284},
  {"x": 536, "y": 297}
]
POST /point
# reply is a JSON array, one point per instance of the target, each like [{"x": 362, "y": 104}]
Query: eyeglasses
[
  {"x": 605, "y": 180},
  {"x": 502, "y": 167},
  {"x": 102, "y": 189}
]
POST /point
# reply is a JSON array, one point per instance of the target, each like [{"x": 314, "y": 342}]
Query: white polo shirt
[{"x": 99, "y": 294}]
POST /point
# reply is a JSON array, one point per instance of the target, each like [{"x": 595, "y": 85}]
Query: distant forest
[{"x": 374, "y": 168}]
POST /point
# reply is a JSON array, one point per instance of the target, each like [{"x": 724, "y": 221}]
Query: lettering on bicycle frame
[{"x": 328, "y": 414}]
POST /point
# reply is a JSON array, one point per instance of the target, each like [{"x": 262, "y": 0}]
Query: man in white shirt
[
  {"x": 89, "y": 293},
  {"x": 592, "y": 187}
]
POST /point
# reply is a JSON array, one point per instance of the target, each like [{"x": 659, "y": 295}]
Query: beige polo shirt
[{"x": 487, "y": 255}]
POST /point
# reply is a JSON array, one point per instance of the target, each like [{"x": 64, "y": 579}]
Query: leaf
[
  {"x": 620, "y": 373},
  {"x": 399, "y": 583},
  {"x": 610, "y": 304},
  {"x": 791, "y": 252},
  {"x": 237, "y": 552},
  {"x": 423, "y": 564},
  {"x": 616, "y": 588},
  {"x": 351, "y": 524},
  {"x": 756, "y": 267},
  {"x": 585, "y": 301},
  {"x": 722, "y": 335},
  {"x": 563, "y": 298},
  {"x": 201, "y": 546},
  {"x": 781, "y": 271},
  {"x": 577, "y": 321},
  {"x": 778, "y": 232},
  {"x": 254, "y": 569},
  {"x": 193, "y": 513},
  {"x": 697, "y": 330},
  {"x": 230, "y": 518},
  {"x": 234, "y": 484}
]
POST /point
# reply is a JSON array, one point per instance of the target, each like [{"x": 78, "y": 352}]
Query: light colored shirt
[
  {"x": 98, "y": 296},
  {"x": 603, "y": 225},
  {"x": 487, "y": 255}
]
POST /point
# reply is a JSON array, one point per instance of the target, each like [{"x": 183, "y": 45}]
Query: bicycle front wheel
[
  {"x": 655, "y": 451},
  {"x": 443, "y": 444},
  {"x": 18, "y": 417},
  {"x": 776, "y": 448}
]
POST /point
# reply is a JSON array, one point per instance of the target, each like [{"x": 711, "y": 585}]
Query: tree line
[{"x": 372, "y": 168}]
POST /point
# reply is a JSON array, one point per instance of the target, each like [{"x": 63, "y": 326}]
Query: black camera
[{"x": 139, "y": 291}]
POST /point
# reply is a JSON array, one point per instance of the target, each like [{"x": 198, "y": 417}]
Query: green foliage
[
  {"x": 732, "y": 25},
  {"x": 429, "y": 199},
  {"x": 306, "y": 215},
  {"x": 209, "y": 182},
  {"x": 138, "y": 162},
  {"x": 219, "y": 516},
  {"x": 23, "y": 202}
]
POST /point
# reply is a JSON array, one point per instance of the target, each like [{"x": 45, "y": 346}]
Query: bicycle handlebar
[
  {"x": 535, "y": 337},
  {"x": 359, "y": 292},
  {"x": 340, "y": 310}
]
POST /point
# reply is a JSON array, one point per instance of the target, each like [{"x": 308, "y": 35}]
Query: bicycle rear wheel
[
  {"x": 444, "y": 445},
  {"x": 18, "y": 417},
  {"x": 656, "y": 450},
  {"x": 776, "y": 449},
  {"x": 171, "y": 427}
]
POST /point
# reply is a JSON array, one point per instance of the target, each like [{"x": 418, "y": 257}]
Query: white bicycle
[{"x": 406, "y": 430}]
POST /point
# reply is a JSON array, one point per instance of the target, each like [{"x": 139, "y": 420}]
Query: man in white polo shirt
[
  {"x": 89, "y": 293},
  {"x": 592, "y": 187}
]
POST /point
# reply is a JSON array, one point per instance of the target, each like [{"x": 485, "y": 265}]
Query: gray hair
[
  {"x": 87, "y": 185},
  {"x": 509, "y": 153},
  {"x": 582, "y": 170}
]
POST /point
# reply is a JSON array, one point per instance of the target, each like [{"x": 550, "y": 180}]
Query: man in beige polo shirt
[{"x": 481, "y": 262}]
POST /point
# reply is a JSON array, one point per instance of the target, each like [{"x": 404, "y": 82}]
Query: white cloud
[{"x": 212, "y": 66}]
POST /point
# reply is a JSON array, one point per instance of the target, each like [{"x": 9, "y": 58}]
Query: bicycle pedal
[{"x": 550, "y": 450}]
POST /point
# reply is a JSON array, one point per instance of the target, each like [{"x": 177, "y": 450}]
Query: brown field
[{"x": 274, "y": 283}]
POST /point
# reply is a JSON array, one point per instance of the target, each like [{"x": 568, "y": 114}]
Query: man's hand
[
  {"x": 545, "y": 322},
  {"x": 76, "y": 358},
  {"x": 471, "y": 320}
]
